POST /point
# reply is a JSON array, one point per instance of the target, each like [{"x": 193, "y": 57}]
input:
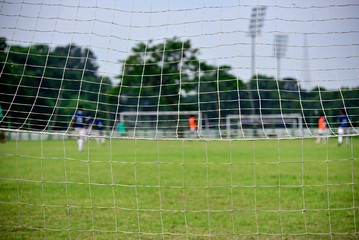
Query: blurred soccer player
[
  {"x": 192, "y": 125},
  {"x": 343, "y": 122},
  {"x": 79, "y": 122},
  {"x": 99, "y": 126},
  {"x": 322, "y": 128}
]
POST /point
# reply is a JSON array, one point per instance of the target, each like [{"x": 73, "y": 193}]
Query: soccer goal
[
  {"x": 264, "y": 126},
  {"x": 179, "y": 119}
]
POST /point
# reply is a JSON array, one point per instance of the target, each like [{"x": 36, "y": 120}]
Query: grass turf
[{"x": 130, "y": 189}]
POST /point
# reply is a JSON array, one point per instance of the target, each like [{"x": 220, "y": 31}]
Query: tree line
[{"x": 41, "y": 87}]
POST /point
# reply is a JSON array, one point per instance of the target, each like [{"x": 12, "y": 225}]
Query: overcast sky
[{"x": 218, "y": 28}]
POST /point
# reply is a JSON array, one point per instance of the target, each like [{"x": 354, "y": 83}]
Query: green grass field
[{"x": 127, "y": 189}]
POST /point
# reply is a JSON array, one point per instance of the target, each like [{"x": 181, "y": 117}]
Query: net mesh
[{"x": 90, "y": 92}]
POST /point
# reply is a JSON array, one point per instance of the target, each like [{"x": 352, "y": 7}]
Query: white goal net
[{"x": 165, "y": 119}]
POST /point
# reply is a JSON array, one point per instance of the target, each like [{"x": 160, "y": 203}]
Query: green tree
[
  {"x": 157, "y": 73},
  {"x": 39, "y": 84},
  {"x": 170, "y": 73},
  {"x": 218, "y": 91}
]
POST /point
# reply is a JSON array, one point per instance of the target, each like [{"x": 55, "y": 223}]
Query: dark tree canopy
[
  {"x": 39, "y": 83},
  {"x": 165, "y": 73}
]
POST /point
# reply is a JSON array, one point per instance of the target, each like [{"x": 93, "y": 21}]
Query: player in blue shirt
[
  {"x": 79, "y": 122},
  {"x": 343, "y": 122},
  {"x": 99, "y": 127}
]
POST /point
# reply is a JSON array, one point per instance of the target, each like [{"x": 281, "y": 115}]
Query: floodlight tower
[
  {"x": 280, "y": 47},
  {"x": 306, "y": 78},
  {"x": 255, "y": 28}
]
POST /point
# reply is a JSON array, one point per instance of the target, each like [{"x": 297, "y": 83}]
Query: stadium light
[
  {"x": 255, "y": 27},
  {"x": 279, "y": 49},
  {"x": 306, "y": 78}
]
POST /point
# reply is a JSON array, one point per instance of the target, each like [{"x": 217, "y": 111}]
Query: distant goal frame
[{"x": 284, "y": 120}]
